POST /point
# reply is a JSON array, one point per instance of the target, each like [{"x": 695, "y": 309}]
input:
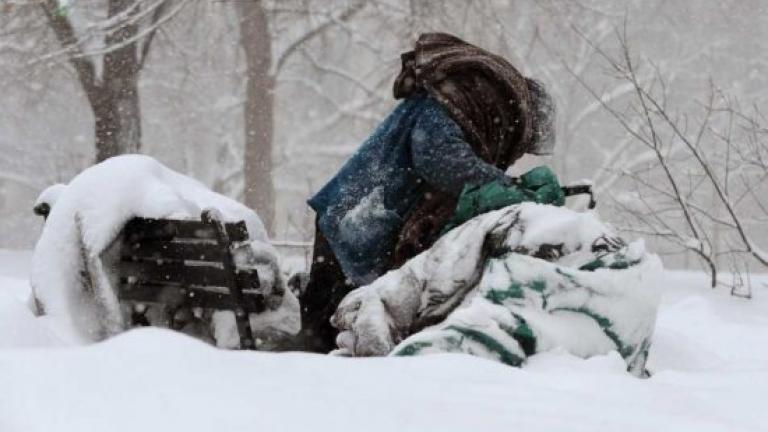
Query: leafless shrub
[{"x": 699, "y": 180}]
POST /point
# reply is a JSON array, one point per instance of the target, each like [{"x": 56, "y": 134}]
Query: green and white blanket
[{"x": 510, "y": 283}]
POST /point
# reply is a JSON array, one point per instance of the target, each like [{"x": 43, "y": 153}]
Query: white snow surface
[
  {"x": 86, "y": 217},
  {"x": 51, "y": 194},
  {"x": 709, "y": 361}
]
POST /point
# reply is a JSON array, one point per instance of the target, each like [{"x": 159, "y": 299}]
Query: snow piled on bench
[{"x": 86, "y": 218}]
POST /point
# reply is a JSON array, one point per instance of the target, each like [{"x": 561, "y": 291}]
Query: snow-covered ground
[{"x": 710, "y": 364}]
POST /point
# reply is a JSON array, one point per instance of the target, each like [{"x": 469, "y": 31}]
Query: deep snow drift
[{"x": 709, "y": 359}]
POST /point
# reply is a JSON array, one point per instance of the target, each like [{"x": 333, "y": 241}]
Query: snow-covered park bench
[
  {"x": 182, "y": 264},
  {"x": 130, "y": 243}
]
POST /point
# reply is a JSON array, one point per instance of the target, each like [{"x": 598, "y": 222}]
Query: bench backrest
[{"x": 189, "y": 263}]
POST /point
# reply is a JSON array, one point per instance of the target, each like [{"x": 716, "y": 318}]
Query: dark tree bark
[
  {"x": 262, "y": 68},
  {"x": 114, "y": 99},
  {"x": 118, "y": 117},
  {"x": 259, "y": 111}
]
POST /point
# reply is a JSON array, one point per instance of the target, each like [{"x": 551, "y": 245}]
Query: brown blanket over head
[{"x": 486, "y": 96}]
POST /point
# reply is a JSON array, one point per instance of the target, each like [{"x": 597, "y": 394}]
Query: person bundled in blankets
[
  {"x": 504, "y": 285},
  {"x": 466, "y": 116},
  {"x": 508, "y": 284}
]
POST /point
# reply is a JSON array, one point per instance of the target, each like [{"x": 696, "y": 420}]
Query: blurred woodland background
[{"x": 660, "y": 102}]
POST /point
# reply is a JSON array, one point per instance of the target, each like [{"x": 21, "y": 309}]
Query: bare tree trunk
[
  {"x": 116, "y": 109},
  {"x": 113, "y": 97},
  {"x": 259, "y": 111}
]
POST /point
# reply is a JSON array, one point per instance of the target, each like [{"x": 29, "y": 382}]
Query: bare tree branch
[{"x": 65, "y": 33}]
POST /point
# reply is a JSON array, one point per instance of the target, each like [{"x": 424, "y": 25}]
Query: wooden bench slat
[
  {"x": 192, "y": 296},
  {"x": 157, "y": 249},
  {"x": 237, "y": 231},
  {"x": 138, "y": 229},
  {"x": 180, "y": 273},
  {"x": 189, "y": 263}
]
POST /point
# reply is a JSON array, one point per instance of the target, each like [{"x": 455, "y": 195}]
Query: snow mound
[
  {"x": 708, "y": 364},
  {"x": 49, "y": 196},
  {"x": 86, "y": 218},
  {"x": 157, "y": 380}
]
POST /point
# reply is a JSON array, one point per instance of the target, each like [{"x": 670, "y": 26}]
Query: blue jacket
[{"x": 362, "y": 209}]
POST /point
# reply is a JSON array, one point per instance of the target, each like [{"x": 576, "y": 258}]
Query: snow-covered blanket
[
  {"x": 72, "y": 265},
  {"x": 508, "y": 284}
]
